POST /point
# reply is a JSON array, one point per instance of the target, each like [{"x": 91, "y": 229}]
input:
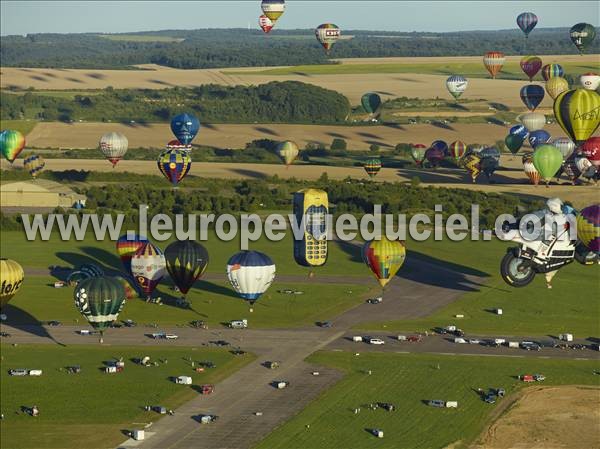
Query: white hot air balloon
[
  {"x": 250, "y": 274},
  {"x": 456, "y": 85},
  {"x": 113, "y": 146},
  {"x": 565, "y": 145},
  {"x": 533, "y": 121},
  {"x": 590, "y": 81}
]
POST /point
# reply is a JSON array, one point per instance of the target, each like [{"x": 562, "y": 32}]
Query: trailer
[
  {"x": 183, "y": 380},
  {"x": 513, "y": 344},
  {"x": 35, "y": 372},
  {"x": 357, "y": 338},
  {"x": 566, "y": 337},
  {"x": 451, "y": 404}
]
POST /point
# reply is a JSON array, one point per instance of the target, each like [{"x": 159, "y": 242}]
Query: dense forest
[
  {"x": 275, "y": 102},
  {"x": 200, "y": 195},
  {"x": 240, "y": 47}
]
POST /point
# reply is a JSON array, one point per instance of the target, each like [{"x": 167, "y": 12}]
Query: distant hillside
[{"x": 243, "y": 48}]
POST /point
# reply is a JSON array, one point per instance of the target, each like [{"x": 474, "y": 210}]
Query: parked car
[
  {"x": 539, "y": 377},
  {"x": 129, "y": 323},
  {"x": 18, "y": 372},
  {"x": 280, "y": 384},
  {"x": 530, "y": 346},
  {"x": 198, "y": 324},
  {"x": 500, "y": 392},
  {"x": 324, "y": 324},
  {"x": 440, "y": 330},
  {"x": 157, "y": 335},
  {"x": 436, "y": 403},
  {"x": 219, "y": 342},
  {"x": 206, "y": 389},
  {"x": 474, "y": 341},
  {"x": 527, "y": 378},
  {"x": 386, "y": 406},
  {"x": 414, "y": 338},
  {"x": 53, "y": 323},
  {"x": 271, "y": 364},
  {"x": 171, "y": 336},
  {"x": 490, "y": 398},
  {"x": 376, "y": 341},
  {"x": 377, "y": 300},
  {"x": 207, "y": 419},
  {"x": 238, "y": 324}
]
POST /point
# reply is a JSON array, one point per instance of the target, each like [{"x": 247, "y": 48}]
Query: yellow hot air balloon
[
  {"x": 288, "y": 151},
  {"x": 577, "y": 111},
  {"x": 11, "y": 278},
  {"x": 273, "y": 9},
  {"x": 384, "y": 257},
  {"x": 556, "y": 86}
]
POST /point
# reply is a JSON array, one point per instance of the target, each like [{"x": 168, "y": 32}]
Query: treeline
[
  {"x": 240, "y": 47},
  {"x": 274, "y": 102},
  {"x": 201, "y": 195}
]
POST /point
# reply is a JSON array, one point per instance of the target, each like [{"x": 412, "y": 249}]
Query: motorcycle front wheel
[{"x": 515, "y": 272}]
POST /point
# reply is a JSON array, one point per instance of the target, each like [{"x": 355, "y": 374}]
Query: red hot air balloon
[
  {"x": 531, "y": 65},
  {"x": 591, "y": 150},
  {"x": 265, "y": 23},
  {"x": 493, "y": 62}
]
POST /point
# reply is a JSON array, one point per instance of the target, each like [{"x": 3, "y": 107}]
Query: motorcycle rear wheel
[{"x": 513, "y": 273}]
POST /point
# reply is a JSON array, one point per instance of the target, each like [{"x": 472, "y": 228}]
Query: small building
[{"x": 41, "y": 194}]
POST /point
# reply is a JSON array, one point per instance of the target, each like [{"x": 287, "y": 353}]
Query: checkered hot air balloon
[
  {"x": 372, "y": 167},
  {"x": 588, "y": 227},
  {"x": 174, "y": 165},
  {"x": 384, "y": 257}
]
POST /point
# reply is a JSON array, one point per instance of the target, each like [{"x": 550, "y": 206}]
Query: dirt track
[
  {"x": 86, "y": 135},
  {"x": 548, "y": 418}
]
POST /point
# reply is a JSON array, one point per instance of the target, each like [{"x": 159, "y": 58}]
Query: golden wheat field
[{"x": 86, "y": 135}]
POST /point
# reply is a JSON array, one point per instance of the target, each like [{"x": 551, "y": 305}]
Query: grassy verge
[
  {"x": 92, "y": 408},
  {"x": 23, "y": 126},
  {"x": 406, "y": 380}
]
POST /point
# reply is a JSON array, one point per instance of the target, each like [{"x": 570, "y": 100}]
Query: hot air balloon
[
  {"x": 513, "y": 143},
  {"x": 584, "y": 165},
  {"x": 148, "y": 266},
  {"x": 456, "y": 85},
  {"x": 174, "y": 165},
  {"x": 533, "y": 121},
  {"x": 440, "y": 145},
  {"x": 250, "y": 273},
  {"x": 114, "y": 146},
  {"x": 488, "y": 166},
  {"x": 186, "y": 262},
  {"x": 185, "y": 127},
  {"x": 588, "y": 227},
  {"x": 493, "y": 62},
  {"x": 384, "y": 257},
  {"x": 327, "y": 34},
  {"x": 565, "y": 146},
  {"x": 530, "y": 170},
  {"x": 547, "y": 160},
  {"x": 288, "y": 151},
  {"x": 591, "y": 150},
  {"x": 577, "y": 112},
  {"x": 265, "y": 23},
  {"x": 127, "y": 247},
  {"x": 569, "y": 167},
  {"x": 273, "y": 9},
  {"x": 417, "y": 152},
  {"x": 34, "y": 164},
  {"x": 538, "y": 137},
  {"x": 434, "y": 156},
  {"x": 490, "y": 152},
  {"x": 550, "y": 71},
  {"x": 472, "y": 163},
  {"x": 532, "y": 95},
  {"x": 177, "y": 145},
  {"x": 99, "y": 300},
  {"x": 370, "y": 102},
  {"x": 457, "y": 149},
  {"x": 527, "y": 22},
  {"x": 83, "y": 272},
  {"x": 310, "y": 208},
  {"x": 590, "y": 81},
  {"x": 520, "y": 131},
  {"x": 11, "y": 144},
  {"x": 372, "y": 167},
  {"x": 531, "y": 65},
  {"x": 556, "y": 86},
  {"x": 11, "y": 279},
  {"x": 582, "y": 35},
  {"x": 130, "y": 291}
]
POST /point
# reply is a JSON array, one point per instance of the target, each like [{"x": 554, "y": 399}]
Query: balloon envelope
[
  {"x": 520, "y": 131},
  {"x": 552, "y": 71},
  {"x": 417, "y": 152},
  {"x": 590, "y": 81},
  {"x": 11, "y": 144},
  {"x": 384, "y": 257},
  {"x": 372, "y": 167},
  {"x": 99, "y": 300},
  {"x": 34, "y": 164},
  {"x": 556, "y": 86},
  {"x": 265, "y": 23},
  {"x": 582, "y": 35},
  {"x": 327, "y": 34},
  {"x": 186, "y": 262},
  {"x": 127, "y": 247},
  {"x": 538, "y": 137},
  {"x": 11, "y": 279},
  {"x": 531, "y": 65},
  {"x": 434, "y": 156},
  {"x": 288, "y": 151},
  {"x": 148, "y": 266},
  {"x": 591, "y": 150},
  {"x": 533, "y": 120},
  {"x": 527, "y": 22},
  {"x": 530, "y": 170},
  {"x": 588, "y": 227},
  {"x": 273, "y": 9},
  {"x": 174, "y": 165},
  {"x": 513, "y": 143},
  {"x": 493, "y": 62},
  {"x": 532, "y": 95},
  {"x": 185, "y": 127},
  {"x": 547, "y": 161},
  {"x": 456, "y": 85},
  {"x": 565, "y": 146},
  {"x": 250, "y": 273},
  {"x": 577, "y": 112},
  {"x": 472, "y": 163},
  {"x": 457, "y": 149},
  {"x": 370, "y": 102},
  {"x": 113, "y": 146}
]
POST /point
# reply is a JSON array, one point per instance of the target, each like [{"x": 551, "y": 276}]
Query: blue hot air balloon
[
  {"x": 519, "y": 130},
  {"x": 440, "y": 145},
  {"x": 538, "y": 137},
  {"x": 532, "y": 95},
  {"x": 185, "y": 127},
  {"x": 527, "y": 22},
  {"x": 250, "y": 274}
]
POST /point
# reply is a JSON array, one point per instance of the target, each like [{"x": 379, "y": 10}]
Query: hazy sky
[{"x": 22, "y": 17}]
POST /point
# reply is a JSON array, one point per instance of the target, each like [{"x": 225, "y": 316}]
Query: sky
[{"x": 23, "y": 17}]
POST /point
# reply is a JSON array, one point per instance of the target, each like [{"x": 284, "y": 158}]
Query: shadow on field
[
  {"x": 109, "y": 260},
  {"x": 96, "y": 75},
  {"x": 268, "y": 131},
  {"x": 352, "y": 249},
  {"x": 26, "y": 322},
  {"x": 393, "y": 125},
  {"x": 249, "y": 173},
  {"x": 217, "y": 289},
  {"x": 95, "y": 256},
  {"x": 439, "y": 175},
  {"x": 439, "y": 124},
  {"x": 340, "y": 136}
]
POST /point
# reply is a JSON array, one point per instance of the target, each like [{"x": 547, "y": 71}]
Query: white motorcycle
[{"x": 520, "y": 264}]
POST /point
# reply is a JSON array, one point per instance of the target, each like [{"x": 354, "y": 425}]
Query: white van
[
  {"x": 459, "y": 340},
  {"x": 513, "y": 344},
  {"x": 499, "y": 341},
  {"x": 566, "y": 337},
  {"x": 451, "y": 404},
  {"x": 238, "y": 324},
  {"x": 376, "y": 341},
  {"x": 357, "y": 338},
  {"x": 35, "y": 372},
  {"x": 84, "y": 332},
  {"x": 183, "y": 380}
]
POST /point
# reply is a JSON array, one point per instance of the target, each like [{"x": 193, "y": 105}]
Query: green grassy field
[
  {"x": 23, "y": 126},
  {"x": 406, "y": 381},
  {"x": 91, "y": 409},
  {"x": 510, "y": 70}
]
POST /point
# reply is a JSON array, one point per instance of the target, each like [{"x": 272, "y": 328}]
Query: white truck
[
  {"x": 566, "y": 337},
  {"x": 238, "y": 324},
  {"x": 183, "y": 380}
]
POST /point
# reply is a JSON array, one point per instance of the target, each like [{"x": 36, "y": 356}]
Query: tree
[
  {"x": 374, "y": 148},
  {"x": 339, "y": 144}
]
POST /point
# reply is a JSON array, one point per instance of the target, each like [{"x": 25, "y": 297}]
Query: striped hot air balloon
[
  {"x": 384, "y": 257},
  {"x": 174, "y": 165},
  {"x": 328, "y": 34},
  {"x": 531, "y": 65},
  {"x": 527, "y": 22},
  {"x": 11, "y": 144},
  {"x": 372, "y": 167},
  {"x": 288, "y": 152},
  {"x": 530, "y": 170},
  {"x": 11, "y": 279},
  {"x": 577, "y": 112},
  {"x": 265, "y": 23},
  {"x": 552, "y": 71},
  {"x": 273, "y": 9},
  {"x": 565, "y": 146},
  {"x": 127, "y": 247},
  {"x": 556, "y": 86},
  {"x": 34, "y": 164},
  {"x": 148, "y": 266},
  {"x": 417, "y": 152},
  {"x": 533, "y": 121},
  {"x": 588, "y": 227},
  {"x": 493, "y": 62},
  {"x": 582, "y": 34},
  {"x": 457, "y": 149},
  {"x": 250, "y": 273}
]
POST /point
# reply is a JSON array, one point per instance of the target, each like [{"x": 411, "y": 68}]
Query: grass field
[
  {"x": 92, "y": 408},
  {"x": 406, "y": 381},
  {"x": 23, "y": 126}
]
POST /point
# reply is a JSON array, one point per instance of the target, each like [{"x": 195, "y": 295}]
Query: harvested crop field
[
  {"x": 548, "y": 418},
  {"x": 86, "y": 135},
  {"x": 510, "y": 179}
]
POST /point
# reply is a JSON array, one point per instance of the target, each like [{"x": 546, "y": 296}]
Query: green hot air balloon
[
  {"x": 370, "y": 102},
  {"x": 513, "y": 143},
  {"x": 547, "y": 160},
  {"x": 186, "y": 262},
  {"x": 99, "y": 300},
  {"x": 582, "y": 35}
]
